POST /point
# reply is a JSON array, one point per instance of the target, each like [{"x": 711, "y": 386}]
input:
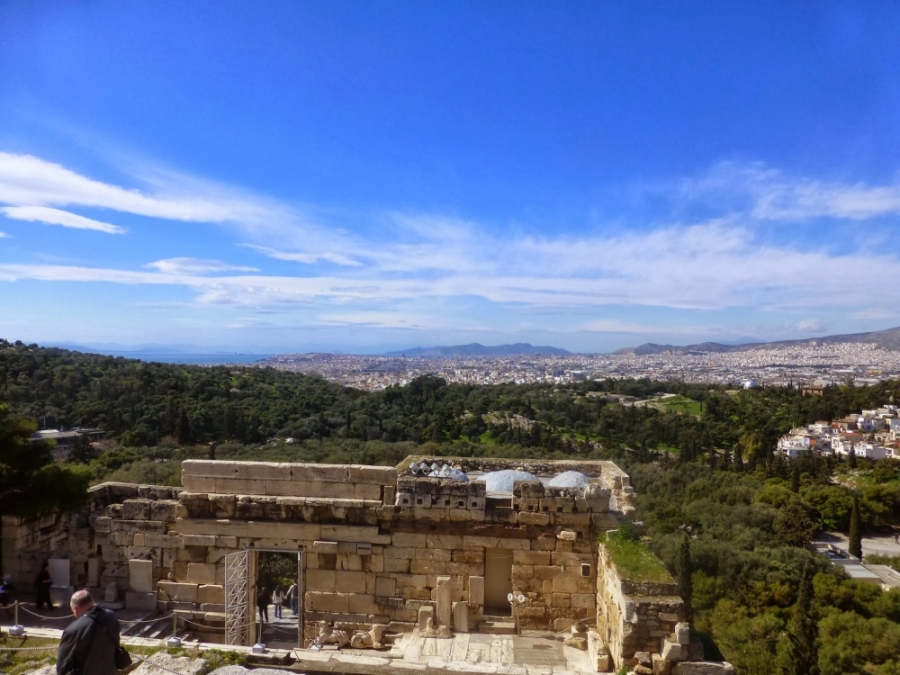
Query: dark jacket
[{"x": 88, "y": 649}]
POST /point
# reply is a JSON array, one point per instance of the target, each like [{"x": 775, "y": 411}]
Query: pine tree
[
  {"x": 686, "y": 576},
  {"x": 803, "y": 631},
  {"x": 855, "y": 537},
  {"x": 30, "y": 482}
]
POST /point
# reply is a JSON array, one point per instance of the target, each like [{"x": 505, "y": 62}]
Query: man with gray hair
[{"x": 88, "y": 645}]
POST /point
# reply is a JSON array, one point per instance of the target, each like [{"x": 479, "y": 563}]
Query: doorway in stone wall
[
  {"x": 278, "y": 620},
  {"x": 497, "y": 581}
]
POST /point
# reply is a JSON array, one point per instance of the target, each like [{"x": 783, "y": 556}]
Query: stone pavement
[
  {"x": 534, "y": 653},
  {"x": 280, "y": 633}
]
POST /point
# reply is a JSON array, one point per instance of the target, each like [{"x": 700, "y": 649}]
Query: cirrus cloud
[
  {"x": 424, "y": 263},
  {"x": 196, "y": 266},
  {"x": 51, "y": 216},
  {"x": 767, "y": 194}
]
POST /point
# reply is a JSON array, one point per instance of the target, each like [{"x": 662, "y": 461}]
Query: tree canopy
[{"x": 30, "y": 483}]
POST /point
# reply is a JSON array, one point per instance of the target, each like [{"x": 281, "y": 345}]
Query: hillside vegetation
[
  {"x": 706, "y": 476},
  {"x": 142, "y": 403}
]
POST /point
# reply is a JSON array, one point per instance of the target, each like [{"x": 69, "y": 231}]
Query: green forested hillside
[
  {"x": 142, "y": 403},
  {"x": 749, "y": 534}
]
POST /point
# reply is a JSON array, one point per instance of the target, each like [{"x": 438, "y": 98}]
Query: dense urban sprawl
[{"x": 808, "y": 365}]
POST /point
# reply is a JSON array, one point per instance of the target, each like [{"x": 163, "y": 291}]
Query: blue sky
[{"x": 294, "y": 176}]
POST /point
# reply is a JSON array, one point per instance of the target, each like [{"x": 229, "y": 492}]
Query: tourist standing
[
  {"x": 89, "y": 645},
  {"x": 292, "y": 597},
  {"x": 42, "y": 587},
  {"x": 277, "y": 600},
  {"x": 262, "y": 604}
]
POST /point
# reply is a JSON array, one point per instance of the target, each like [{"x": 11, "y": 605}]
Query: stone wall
[
  {"x": 98, "y": 551},
  {"x": 28, "y": 542},
  {"x": 331, "y": 481},
  {"x": 367, "y": 561},
  {"x": 638, "y": 617},
  {"x": 132, "y": 522},
  {"x": 379, "y": 544}
]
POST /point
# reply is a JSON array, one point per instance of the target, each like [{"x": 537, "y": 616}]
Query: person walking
[
  {"x": 262, "y": 604},
  {"x": 292, "y": 597},
  {"x": 89, "y": 644},
  {"x": 277, "y": 600},
  {"x": 42, "y": 587}
]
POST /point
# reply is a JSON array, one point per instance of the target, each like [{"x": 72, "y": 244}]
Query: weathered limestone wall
[
  {"x": 379, "y": 545},
  {"x": 378, "y": 560},
  {"x": 27, "y": 542},
  {"x": 375, "y": 544},
  {"x": 635, "y": 617},
  {"x": 136, "y": 523},
  {"x": 368, "y": 562},
  {"x": 96, "y": 549},
  {"x": 332, "y": 481}
]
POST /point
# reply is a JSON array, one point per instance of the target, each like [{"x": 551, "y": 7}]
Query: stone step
[
  {"x": 497, "y": 627},
  {"x": 500, "y": 616}
]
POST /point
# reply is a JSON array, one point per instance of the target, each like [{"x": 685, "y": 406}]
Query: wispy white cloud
[
  {"x": 51, "y": 216},
  {"x": 809, "y": 326},
  {"x": 25, "y": 179},
  {"x": 196, "y": 266},
  {"x": 699, "y": 267},
  {"x": 165, "y": 306},
  {"x": 770, "y": 194},
  {"x": 3, "y": 235},
  {"x": 252, "y": 323},
  {"x": 384, "y": 319},
  {"x": 417, "y": 258},
  {"x": 617, "y": 326},
  {"x": 28, "y": 181},
  {"x": 875, "y": 313},
  {"x": 308, "y": 258}
]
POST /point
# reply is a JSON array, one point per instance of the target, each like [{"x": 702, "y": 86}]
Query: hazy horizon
[{"x": 369, "y": 178}]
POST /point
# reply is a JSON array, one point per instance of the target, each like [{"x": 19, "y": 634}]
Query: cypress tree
[
  {"x": 686, "y": 576},
  {"x": 855, "y": 537},
  {"x": 851, "y": 459},
  {"x": 795, "y": 478},
  {"x": 184, "y": 428},
  {"x": 803, "y": 631}
]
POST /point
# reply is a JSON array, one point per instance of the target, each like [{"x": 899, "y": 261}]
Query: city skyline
[{"x": 340, "y": 177}]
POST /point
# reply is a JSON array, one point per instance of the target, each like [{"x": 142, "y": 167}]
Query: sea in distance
[
  {"x": 205, "y": 359},
  {"x": 214, "y": 359}
]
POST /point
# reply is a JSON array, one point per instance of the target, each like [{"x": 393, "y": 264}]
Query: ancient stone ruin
[{"x": 446, "y": 545}]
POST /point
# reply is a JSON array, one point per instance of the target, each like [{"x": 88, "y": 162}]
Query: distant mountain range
[
  {"x": 476, "y": 349},
  {"x": 886, "y": 339}
]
